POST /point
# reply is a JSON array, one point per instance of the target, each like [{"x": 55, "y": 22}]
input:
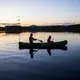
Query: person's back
[
  {"x": 31, "y": 39},
  {"x": 49, "y": 39}
]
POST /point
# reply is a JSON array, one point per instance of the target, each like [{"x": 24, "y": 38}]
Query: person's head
[
  {"x": 31, "y": 34},
  {"x": 50, "y": 37}
]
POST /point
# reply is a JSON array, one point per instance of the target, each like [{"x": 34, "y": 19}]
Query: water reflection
[
  {"x": 32, "y": 52},
  {"x": 49, "y": 51},
  {"x": 59, "y": 63}
]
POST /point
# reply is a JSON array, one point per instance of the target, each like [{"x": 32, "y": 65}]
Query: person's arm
[
  {"x": 37, "y": 39},
  {"x": 33, "y": 39}
]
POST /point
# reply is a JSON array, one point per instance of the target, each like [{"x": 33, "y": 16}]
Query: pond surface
[{"x": 17, "y": 64}]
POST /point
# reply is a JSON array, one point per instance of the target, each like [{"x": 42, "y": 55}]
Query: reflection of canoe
[{"x": 54, "y": 45}]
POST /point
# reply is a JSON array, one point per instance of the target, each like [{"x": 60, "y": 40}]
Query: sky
[{"x": 40, "y": 12}]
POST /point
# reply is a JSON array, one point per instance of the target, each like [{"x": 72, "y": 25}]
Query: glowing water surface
[{"x": 17, "y": 64}]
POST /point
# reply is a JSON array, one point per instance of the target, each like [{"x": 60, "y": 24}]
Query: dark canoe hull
[{"x": 54, "y": 45}]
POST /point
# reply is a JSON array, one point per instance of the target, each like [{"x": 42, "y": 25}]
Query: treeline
[
  {"x": 56, "y": 28},
  {"x": 34, "y": 28}
]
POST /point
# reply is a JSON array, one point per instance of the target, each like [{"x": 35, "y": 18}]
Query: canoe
[{"x": 53, "y": 45}]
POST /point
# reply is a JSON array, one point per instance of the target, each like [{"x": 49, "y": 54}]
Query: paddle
[
  {"x": 52, "y": 39},
  {"x": 38, "y": 49},
  {"x": 39, "y": 40}
]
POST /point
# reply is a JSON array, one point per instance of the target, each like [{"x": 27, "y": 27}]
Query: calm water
[{"x": 17, "y": 64}]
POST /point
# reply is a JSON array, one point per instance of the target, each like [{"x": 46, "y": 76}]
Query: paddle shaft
[
  {"x": 52, "y": 39},
  {"x": 41, "y": 44}
]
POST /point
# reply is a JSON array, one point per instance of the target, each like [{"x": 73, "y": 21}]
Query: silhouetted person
[
  {"x": 49, "y": 51},
  {"x": 31, "y": 39},
  {"x": 49, "y": 40}
]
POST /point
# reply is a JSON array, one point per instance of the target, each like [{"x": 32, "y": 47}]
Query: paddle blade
[{"x": 40, "y": 40}]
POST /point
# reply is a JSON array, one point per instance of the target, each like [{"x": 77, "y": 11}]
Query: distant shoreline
[{"x": 34, "y": 28}]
